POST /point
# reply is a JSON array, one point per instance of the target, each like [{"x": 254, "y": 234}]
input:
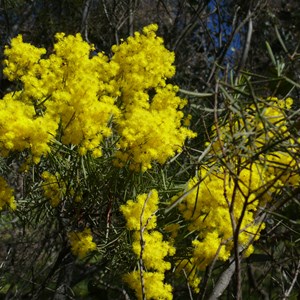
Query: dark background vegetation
[{"x": 213, "y": 41}]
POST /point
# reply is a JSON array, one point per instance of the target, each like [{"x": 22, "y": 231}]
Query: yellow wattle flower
[
  {"x": 7, "y": 199},
  {"x": 81, "y": 243}
]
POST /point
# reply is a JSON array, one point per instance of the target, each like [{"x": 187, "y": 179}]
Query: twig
[
  {"x": 142, "y": 243},
  {"x": 226, "y": 276},
  {"x": 224, "y": 49},
  {"x": 223, "y": 281},
  {"x": 247, "y": 44},
  {"x": 85, "y": 16},
  {"x": 189, "y": 288},
  {"x": 287, "y": 293},
  {"x": 196, "y": 94}
]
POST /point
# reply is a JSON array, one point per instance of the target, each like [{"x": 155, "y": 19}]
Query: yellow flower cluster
[
  {"x": 21, "y": 129},
  {"x": 67, "y": 90},
  {"x": 22, "y": 58},
  {"x": 283, "y": 166},
  {"x": 21, "y": 126},
  {"x": 153, "y": 133},
  {"x": 268, "y": 120},
  {"x": 54, "y": 188},
  {"x": 81, "y": 243},
  {"x": 225, "y": 194},
  {"x": 141, "y": 211},
  {"x": 140, "y": 216},
  {"x": 188, "y": 267},
  {"x": 154, "y": 285},
  {"x": 155, "y": 250},
  {"x": 150, "y": 126},
  {"x": 144, "y": 64},
  {"x": 260, "y": 124},
  {"x": 69, "y": 95},
  {"x": 7, "y": 198},
  {"x": 263, "y": 126},
  {"x": 208, "y": 208}
]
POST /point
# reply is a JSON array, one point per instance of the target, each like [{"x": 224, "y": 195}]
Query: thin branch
[
  {"x": 189, "y": 27},
  {"x": 288, "y": 292},
  {"x": 188, "y": 286},
  {"x": 224, "y": 49},
  {"x": 142, "y": 243},
  {"x": 223, "y": 281},
  {"x": 226, "y": 276},
  {"x": 85, "y": 17},
  {"x": 196, "y": 94},
  {"x": 247, "y": 44}
]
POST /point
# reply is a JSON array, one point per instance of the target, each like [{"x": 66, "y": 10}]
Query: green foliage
[{"x": 111, "y": 203}]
